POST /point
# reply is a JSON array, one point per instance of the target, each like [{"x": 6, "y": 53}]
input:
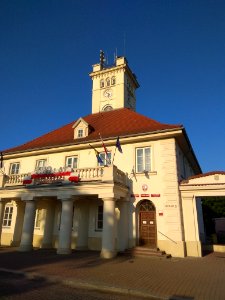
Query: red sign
[
  {"x": 155, "y": 195},
  {"x": 145, "y": 195},
  {"x": 134, "y": 195}
]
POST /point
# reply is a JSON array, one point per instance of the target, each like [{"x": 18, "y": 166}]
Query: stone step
[{"x": 146, "y": 252}]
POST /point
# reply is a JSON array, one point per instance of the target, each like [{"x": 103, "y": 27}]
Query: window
[
  {"x": 7, "y": 219},
  {"x": 102, "y": 83},
  {"x": 99, "y": 218},
  {"x": 80, "y": 133},
  {"x": 143, "y": 159},
  {"x": 113, "y": 80},
  {"x": 40, "y": 164},
  {"x": 108, "y": 82},
  {"x": 107, "y": 108},
  {"x": 38, "y": 216},
  {"x": 71, "y": 162},
  {"x": 14, "y": 168},
  {"x": 106, "y": 160}
]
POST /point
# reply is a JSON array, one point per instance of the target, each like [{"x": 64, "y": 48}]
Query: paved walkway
[{"x": 175, "y": 278}]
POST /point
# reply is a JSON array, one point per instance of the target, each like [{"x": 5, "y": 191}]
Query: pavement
[{"x": 153, "y": 278}]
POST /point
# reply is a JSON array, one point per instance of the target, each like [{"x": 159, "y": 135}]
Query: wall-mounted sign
[
  {"x": 50, "y": 178},
  {"x": 155, "y": 195},
  {"x": 145, "y": 195},
  {"x": 144, "y": 187},
  {"x": 134, "y": 195}
]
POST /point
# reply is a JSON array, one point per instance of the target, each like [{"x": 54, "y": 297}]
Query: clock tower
[{"x": 113, "y": 86}]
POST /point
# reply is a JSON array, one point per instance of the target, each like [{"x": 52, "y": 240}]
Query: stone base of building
[
  {"x": 64, "y": 251},
  {"x": 108, "y": 254},
  {"x": 25, "y": 248},
  {"x": 176, "y": 249},
  {"x": 194, "y": 248}
]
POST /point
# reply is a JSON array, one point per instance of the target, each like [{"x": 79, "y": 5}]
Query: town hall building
[{"x": 109, "y": 181}]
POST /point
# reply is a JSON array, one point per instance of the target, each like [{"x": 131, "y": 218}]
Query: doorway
[{"x": 147, "y": 225}]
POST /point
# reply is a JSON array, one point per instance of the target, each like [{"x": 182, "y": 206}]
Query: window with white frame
[
  {"x": 99, "y": 218},
  {"x": 106, "y": 159},
  {"x": 38, "y": 216},
  {"x": 71, "y": 162},
  {"x": 40, "y": 164},
  {"x": 143, "y": 159},
  {"x": 14, "y": 168},
  {"x": 80, "y": 133},
  {"x": 7, "y": 219}
]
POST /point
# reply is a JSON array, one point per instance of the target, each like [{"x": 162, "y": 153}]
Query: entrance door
[{"x": 147, "y": 219}]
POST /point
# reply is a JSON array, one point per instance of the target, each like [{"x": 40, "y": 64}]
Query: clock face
[{"x": 108, "y": 93}]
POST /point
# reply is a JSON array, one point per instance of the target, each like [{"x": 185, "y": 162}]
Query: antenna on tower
[
  {"x": 102, "y": 59},
  {"x": 107, "y": 59},
  {"x": 115, "y": 56}
]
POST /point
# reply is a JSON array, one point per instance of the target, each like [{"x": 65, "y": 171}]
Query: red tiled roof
[{"x": 119, "y": 122}]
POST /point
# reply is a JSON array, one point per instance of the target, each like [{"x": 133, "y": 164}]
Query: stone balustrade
[{"x": 109, "y": 173}]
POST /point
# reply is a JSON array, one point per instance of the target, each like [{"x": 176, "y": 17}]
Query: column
[
  {"x": 65, "y": 232},
  {"x": 20, "y": 205},
  {"x": 48, "y": 227},
  {"x": 191, "y": 230},
  {"x": 83, "y": 221},
  {"x": 2, "y": 210},
  {"x": 122, "y": 233},
  {"x": 108, "y": 234},
  {"x": 26, "y": 243}
]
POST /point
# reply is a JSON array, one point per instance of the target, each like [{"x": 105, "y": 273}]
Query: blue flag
[
  {"x": 97, "y": 154},
  {"x": 118, "y": 146}
]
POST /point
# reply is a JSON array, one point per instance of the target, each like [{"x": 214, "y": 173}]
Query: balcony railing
[{"x": 109, "y": 173}]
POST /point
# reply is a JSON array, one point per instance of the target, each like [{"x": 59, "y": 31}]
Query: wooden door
[{"x": 147, "y": 218}]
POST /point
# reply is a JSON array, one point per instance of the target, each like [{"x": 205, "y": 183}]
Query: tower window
[
  {"x": 102, "y": 83},
  {"x": 113, "y": 80},
  {"x": 108, "y": 81},
  {"x": 107, "y": 108}
]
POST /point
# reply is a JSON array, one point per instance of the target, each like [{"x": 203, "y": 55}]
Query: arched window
[
  {"x": 107, "y": 81},
  {"x": 113, "y": 80},
  {"x": 147, "y": 205},
  {"x": 102, "y": 83},
  {"x": 107, "y": 108}
]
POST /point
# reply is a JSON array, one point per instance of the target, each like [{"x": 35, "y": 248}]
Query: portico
[
  {"x": 69, "y": 214},
  {"x": 209, "y": 184}
]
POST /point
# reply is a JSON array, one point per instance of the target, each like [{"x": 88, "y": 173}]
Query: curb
[{"x": 85, "y": 285}]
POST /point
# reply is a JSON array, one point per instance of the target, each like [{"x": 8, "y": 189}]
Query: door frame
[{"x": 151, "y": 208}]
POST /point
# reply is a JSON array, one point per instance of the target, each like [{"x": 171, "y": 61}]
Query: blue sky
[{"x": 175, "y": 47}]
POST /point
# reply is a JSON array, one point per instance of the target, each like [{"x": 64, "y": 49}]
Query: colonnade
[{"x": 109, "y": 248}]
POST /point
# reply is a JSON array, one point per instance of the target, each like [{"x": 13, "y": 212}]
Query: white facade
[{"x": 134, "y": 201}]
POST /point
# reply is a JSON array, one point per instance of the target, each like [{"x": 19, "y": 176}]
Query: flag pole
[
  {"x": 105, "y": 150},
  {"x": 114, "y": 155}
]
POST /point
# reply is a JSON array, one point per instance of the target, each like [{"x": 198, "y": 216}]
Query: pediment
[{"x": 207, "y": 178}]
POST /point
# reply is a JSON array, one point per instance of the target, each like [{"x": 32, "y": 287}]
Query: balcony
[{"x": 101, "y": 174}]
